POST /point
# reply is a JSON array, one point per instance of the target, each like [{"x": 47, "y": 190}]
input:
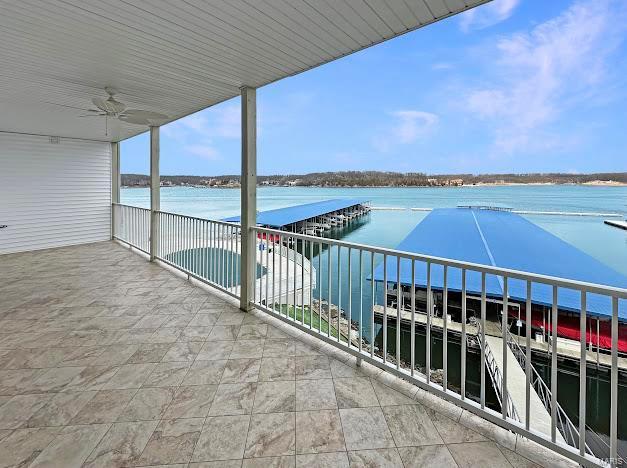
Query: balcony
[
  {"x": 107, "y": 359},
  {"x": 138, "y": 337}
]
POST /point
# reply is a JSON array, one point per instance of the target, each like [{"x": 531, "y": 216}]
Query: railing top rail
[
  {"x": 620, "y": 293},
  {"x": 131, "y": 206},
  {"x": 216, "y": 221},
  {"x": 613, "y": 291}
]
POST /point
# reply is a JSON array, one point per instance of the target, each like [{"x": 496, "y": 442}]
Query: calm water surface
[{"x": 388, "y": 228}]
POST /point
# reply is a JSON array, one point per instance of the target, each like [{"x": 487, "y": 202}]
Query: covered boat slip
[
  {"x": 503, "y": 239},
  {"x": 310, "y": 215}
]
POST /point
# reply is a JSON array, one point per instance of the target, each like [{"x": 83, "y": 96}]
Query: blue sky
[{"x": 511, "y": 86}]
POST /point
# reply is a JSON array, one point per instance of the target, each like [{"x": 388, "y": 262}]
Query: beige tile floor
[{"x": 107, "y": 360}]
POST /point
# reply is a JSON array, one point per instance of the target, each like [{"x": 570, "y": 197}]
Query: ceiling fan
[{"x": 112, "y": 108}]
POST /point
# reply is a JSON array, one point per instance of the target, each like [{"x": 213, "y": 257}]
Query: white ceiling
[{"x": 175, "y": 56}]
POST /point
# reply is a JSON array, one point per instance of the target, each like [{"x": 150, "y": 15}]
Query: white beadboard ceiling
[{"x": 175, "y": 57}]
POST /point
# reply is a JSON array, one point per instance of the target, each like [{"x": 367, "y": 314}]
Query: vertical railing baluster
[
  {"x": 310, "y": 284},
  {"x": 133, "y": 215},
  {"x": 463, "y": 350},
  {"x": 428, "y": 328},
  {"x": 273, "y": 271},
  {"x": 319, "y": 286},
  {"x": 361, "y": 299},
  {"x": 329, "y": 323},
  {"x": 614, "y": 386},
  {"x": 224, "y": 256},
  {"x": 267, "y": 275},
  {"x": 385, "y": 308},
  {"x": 295, "y": 245},
  {"x": 372, "y": 300},
  {"x": 350, "y": 295},
  {"x": 412, "y": 304},
  {"x": 528, "y": 358},
  {"x": 445, "y": 328},
  {"x": 234, "y": 258},
  {"x": 483, "y": 363},
  {"x": 184, "y": 241},
  {"x": 302, "y": 281},
  {"x": 339, "y": 291},
  {"x": 197, "y": 254},
  {"x": 216, "y": 253},
  {"x": 554, "y": 365},
  {"x": 280, "y": 273},
  {"x": 201, "y": 248},
  {"x": 582, "y": 375},
  {"x": 256, "y": 296},
  {"x": 399, "y": 309},
  {"x": 505, "y": 397}
]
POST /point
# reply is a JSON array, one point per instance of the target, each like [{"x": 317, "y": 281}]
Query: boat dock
[{"x": 311, "y": 218}]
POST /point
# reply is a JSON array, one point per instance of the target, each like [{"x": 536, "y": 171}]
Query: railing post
[
  {"x": 248, "y": 197},
  {"x": 115, "y": 181},
  {"x": 155, "y": 190}
]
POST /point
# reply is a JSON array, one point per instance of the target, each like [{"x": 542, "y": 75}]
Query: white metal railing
[
  {"x": 341, "y": 267},
  {"x": 205, "y": 249},
  {"x": 323, "y": 287},
  {"x": 131, "y": 225}
]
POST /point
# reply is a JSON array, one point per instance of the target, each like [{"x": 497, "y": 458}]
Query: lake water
[{"x": 386, "y": 228}]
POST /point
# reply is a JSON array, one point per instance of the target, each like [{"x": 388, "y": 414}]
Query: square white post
[
  {"x": 115, "y": 182},
  {"x": 248, "y": 197},
  {"x": 155, "y": 190}
]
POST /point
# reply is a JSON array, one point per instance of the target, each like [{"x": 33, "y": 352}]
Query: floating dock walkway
[{"x": 540, "y": 418}]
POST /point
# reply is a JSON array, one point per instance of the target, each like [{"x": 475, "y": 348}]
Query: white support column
[
  {"x": 155, "y": 190},
  {"x": 115, "y": 181},
  {"x": 248, "y": 197}
]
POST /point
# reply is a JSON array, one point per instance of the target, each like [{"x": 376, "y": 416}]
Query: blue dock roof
[
  {"x": 293, "y": 214},
  {"x": 506, "y": 240}
]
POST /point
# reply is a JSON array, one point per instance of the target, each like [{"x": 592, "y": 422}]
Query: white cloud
[
  {"x": 197, "y": 132},
  {"x": 408, "y": 126},
  {"x": 487, "y": 15},
  {"x": 204, "y": 151},
  {"x": 228, "y": 122},
  {"x": 541, "y": 73}
]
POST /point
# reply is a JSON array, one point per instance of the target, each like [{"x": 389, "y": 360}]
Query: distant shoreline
[
  {"x": 600, "y": 183},
  {"x": 382, "y": 179}
]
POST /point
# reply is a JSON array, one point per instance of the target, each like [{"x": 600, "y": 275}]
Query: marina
[
  {"x": 466, "y": 302},
  {"x": 311, "y": 218}
]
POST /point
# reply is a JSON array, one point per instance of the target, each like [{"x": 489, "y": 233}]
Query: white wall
[{"x": 53, "y": 194}]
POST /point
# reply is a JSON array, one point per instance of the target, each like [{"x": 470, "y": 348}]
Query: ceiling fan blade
[
  {"x": 93, "y": 115},
  {"x": 99, "y": 103},
  {"x": 141, "y": 117},
  {"x": 132, "y": 119},
  {"x": 110, "y": 105}
]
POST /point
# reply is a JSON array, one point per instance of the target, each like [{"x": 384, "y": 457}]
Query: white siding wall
[{"x": 53, "y": 194}]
